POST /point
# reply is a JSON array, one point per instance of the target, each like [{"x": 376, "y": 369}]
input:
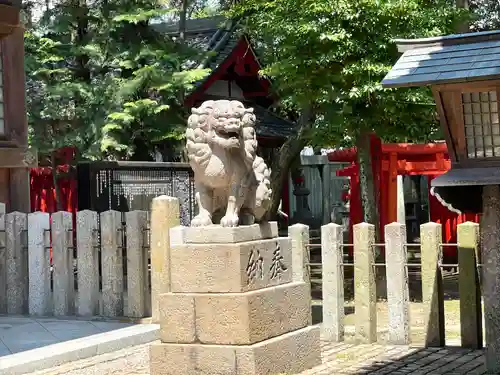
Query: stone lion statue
[{"x": 232, "y": 182}]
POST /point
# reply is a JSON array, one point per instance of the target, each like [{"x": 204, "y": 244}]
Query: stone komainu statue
[{"x": 232, "y": 182}]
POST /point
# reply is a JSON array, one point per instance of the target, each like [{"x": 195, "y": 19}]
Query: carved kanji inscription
[
  {"x": 255, "y": 267},
  {"x": 277, "y": 266}
]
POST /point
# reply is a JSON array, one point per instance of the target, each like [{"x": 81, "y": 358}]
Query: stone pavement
[
  {"x": 32, "y": 344},
  {"x": 342, "y": 358},
  {"x": 338, "y": 359},
  {"x": 18, "y": 334}
]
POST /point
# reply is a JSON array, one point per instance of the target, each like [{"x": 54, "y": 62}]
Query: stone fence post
[
  {"x": 365, "y": 299},
  {"x": 398, "y": 300},
  {"x": 87, "y": 257},
  {"x": 332, "y": 282},
  {"x": 164, "y": 216},
  {"x": 299, "y": 233},
  {"x": 112, "y": 263},
  {"x": 468, "y": 284},
  {"x": 301, "y": 256},
  {"x": 62, "y": 259},
  {"x": 137, "y": 265},
  {"x": 3, "y": 262},
  {"x": 16, "y": 225},
  {"x": 432, "y": 284},
  {"x": 39, "y": 297}
]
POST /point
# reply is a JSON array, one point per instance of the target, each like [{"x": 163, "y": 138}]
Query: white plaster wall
[{"x": 220, "y": 88}]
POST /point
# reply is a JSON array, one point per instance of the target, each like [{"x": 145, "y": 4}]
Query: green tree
[
  {"x": 327, "y": 59},
  {"x": 103, "y": 79},
  {"x": 487, "y": 14}
]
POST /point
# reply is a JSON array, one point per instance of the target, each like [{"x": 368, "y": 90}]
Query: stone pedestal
[{"x": 233, "y": 308}]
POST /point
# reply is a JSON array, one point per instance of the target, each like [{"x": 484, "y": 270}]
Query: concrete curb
[{"x": 73, "y": 350}]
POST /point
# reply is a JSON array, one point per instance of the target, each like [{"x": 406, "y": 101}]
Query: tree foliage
[
  {"x": 101, "y": 78},
  {"x": 487, "y": 14},
  {"x": 334, "y": 54},
  {"x": 327, "y": 59}
]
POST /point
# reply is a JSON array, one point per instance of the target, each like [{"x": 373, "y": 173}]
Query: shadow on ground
[{"x": 449, "y": 360}]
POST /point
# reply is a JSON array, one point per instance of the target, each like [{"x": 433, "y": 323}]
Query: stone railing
[
  {"x": 99, "y": 265},
  {"x": 396, "y": 275},
  {"x": 103, "y": 263}
]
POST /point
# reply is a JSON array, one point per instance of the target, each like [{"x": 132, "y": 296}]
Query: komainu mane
[{"x": 232, "y": 182}]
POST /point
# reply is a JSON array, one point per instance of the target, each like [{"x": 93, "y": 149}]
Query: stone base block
[
  {"x": 291, "y": 353},
  {"x": 234, "y": 318},
  {"x": 231, "y": 267},
  {"x": 218, "y": 234}
]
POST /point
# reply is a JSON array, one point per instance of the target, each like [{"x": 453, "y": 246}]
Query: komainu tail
[{"x": 263, "y": 192}]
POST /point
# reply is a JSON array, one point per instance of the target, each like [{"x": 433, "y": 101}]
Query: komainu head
[{"x": 223, "y": 123}]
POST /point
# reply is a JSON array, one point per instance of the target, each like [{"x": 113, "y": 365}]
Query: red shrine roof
[{"x": 230, "y": 56}]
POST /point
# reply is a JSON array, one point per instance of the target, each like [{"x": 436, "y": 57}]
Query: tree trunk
[
  {"x": 183, "y": 20},
  {"x": 182, "y": 37},
  {"x": 366, "y": 180},
  {"x": 287, "y": 154},
  {"x": 369, "y": 202},
  {"x": 464, "y": 26},
  {"x": 82, "y": 71}
]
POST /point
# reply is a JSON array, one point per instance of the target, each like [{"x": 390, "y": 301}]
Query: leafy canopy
[
  {"x": 333, "y": 54},
  {"x": 101, "y": 78}
]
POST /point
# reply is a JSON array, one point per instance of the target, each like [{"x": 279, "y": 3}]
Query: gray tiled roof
[
  {"x": 214, "y": 37},
  {"x": 454, "y": 58},
  {"x": 271, "y": 125}
]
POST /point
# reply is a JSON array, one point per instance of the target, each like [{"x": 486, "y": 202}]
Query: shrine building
[{"x": 234, "y": 66}]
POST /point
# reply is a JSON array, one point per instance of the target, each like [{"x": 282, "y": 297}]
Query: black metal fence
[{"x": 128, "y": 186}]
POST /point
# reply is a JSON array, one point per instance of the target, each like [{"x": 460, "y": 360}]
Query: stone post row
[{"x": 365, "y": 298}]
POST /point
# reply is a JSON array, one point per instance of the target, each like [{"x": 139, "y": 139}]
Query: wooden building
[
  {"x": 15, "y": 158},
  {"x": 463, "y": 72},
  {"x": 234, "y": 75}
]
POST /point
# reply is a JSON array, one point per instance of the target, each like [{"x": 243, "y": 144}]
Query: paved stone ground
[
  {"x": 20, "y": 333},
  {"x": 337, "y": 359}
]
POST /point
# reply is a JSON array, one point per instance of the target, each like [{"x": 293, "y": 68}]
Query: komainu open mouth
[{"x": 227, "y": 134}]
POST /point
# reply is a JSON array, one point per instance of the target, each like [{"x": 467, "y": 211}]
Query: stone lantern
[
  {"x": 464, "y": 74},
  {"x": 9, "y": 16}
]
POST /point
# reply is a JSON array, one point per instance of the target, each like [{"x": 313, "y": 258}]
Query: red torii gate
[{"x": 389, "y": 161}]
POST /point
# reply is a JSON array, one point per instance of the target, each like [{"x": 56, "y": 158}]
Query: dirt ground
[{"x": 451, "y": 306}]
